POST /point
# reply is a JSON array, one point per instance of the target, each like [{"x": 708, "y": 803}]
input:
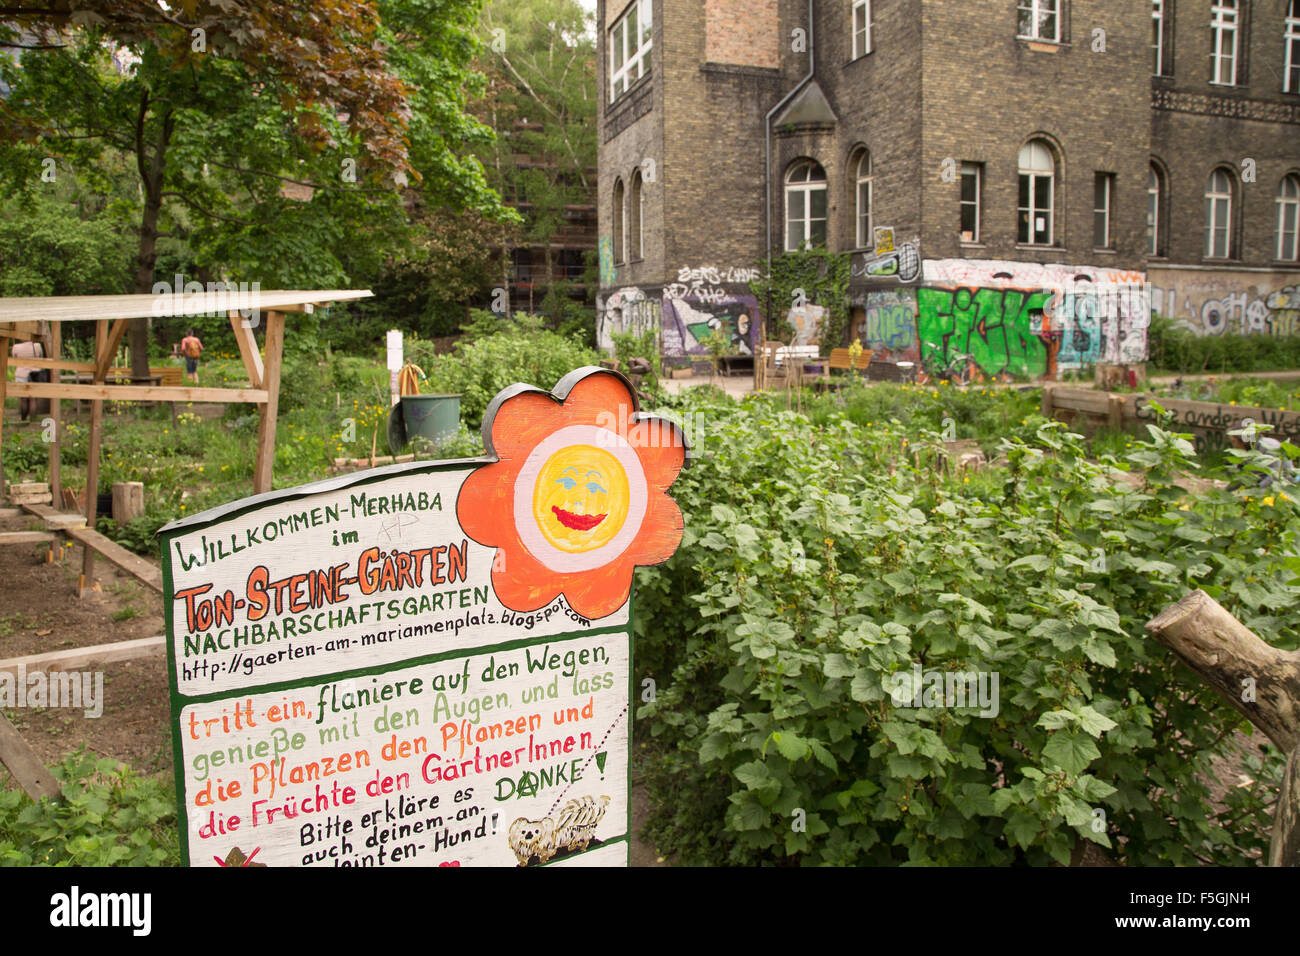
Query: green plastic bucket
[{"x": 435, "y": 418}]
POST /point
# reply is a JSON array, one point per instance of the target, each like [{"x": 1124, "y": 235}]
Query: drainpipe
[{"x": 767, "y": 143}]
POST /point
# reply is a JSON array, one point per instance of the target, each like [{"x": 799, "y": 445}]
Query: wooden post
[
  {"x": 18, "y": 756},
  {"x": 128, "y": 500},
  {"x": 1049, "y": 406},
  {"x": 56, "y": 413},
  {"x": 92, "y": 458},
  {"x": 4, "y": 381},
  {"x": 273, "y": 352},
  {"x": 1115, "y": 410}
]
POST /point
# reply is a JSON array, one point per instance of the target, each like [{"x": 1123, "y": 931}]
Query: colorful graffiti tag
[
  {"x": 705, "y": 283},
  {"x": 625, "y": 310},
  {"x": 1228, "y": 303},
  {"x": 688, "y": 320},
  {"x": 902, "y": 263},
  {"x": 993, "y": 328},
  {"x": 886, "y": 324}
]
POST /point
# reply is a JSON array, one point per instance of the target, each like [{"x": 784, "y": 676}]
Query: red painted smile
[{"x": 577, "y": 522}]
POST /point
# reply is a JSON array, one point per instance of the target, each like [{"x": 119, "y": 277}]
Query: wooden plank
[
  {"x": 11, "y": 512},
  {"x": 266, "y": 413},
  {"x": 59, "y": 521},
  {"x": 27, "y": 488},
  {"x": 137, "y": 393},
  {"x": 75, "y": 658},
  {"x": 4, "y": 374},
  {"x": 74, "y": 308},
  {"x": 116, "y": 371},
  {"x": 247, "y": 343},
  {"x": 32, "y": 775},
  {"x": 25, "y": 537},
  {"x": 133, "y": 564},
  {"x": 92, "y": 464},
  {"x": 56, "y": 413}
]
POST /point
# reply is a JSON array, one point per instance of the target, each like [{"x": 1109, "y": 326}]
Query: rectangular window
[
  {"x": 629, "y": 48},
  {"x": 1159, "y": 24},
  {"x": 1040, "y": 20},
  {"x": 861, "y": 28},
  {"x": 972, "y": 175},
  {"x": 1223, "y": 46},
  {"x": 1291, "y": 39},
  {"x": 1103, "y": 191}
]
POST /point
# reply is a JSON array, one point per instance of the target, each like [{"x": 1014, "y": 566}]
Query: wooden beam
[
  {"x": 133, "y": 564},
  {"x": 274, "y": 351},
  {"x": 25, "y": 537},
  {"x": 1261, "y": 681},
  {"x": 11, "y": 512},
  {"x": 137, "y": 393},
  {"x": 247, "y": 343},
  {"x": 56, "y": 413},
  {"x": 106, "y": 351},
  {"x": 87, "y": 579},
  {"x": 75, "y": 658},
  {"x": 67, "y": 365},
  {"x": 32, "y": 775},
  {"x": 4, "y": 375}
]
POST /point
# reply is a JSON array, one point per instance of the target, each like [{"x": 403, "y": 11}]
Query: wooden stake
[
  {"x": 56, "y": 413},
  {"x": 4, "y": 376},
  {"x": 273, "y": 353},
  {"x": 92, "y": 460}
]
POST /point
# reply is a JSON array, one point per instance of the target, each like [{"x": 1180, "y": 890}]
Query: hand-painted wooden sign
[{"x": 426, "y": 664}]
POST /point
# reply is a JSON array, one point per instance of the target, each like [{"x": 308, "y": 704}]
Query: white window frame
[
  {"x": 636, "y": 201},
  {"x": 1291, "y": 49},
  {"x": 1108, "y": 204},
  {"x": 862, "y": 233},
  {"x": 1155, "y": 180},
  {"x": 1216, "y": 223},
  {"x": 861, "y": 27},
  {"x": 1039, "y": 10},
  {"x": 805, "y": 187},
  {"x": 635, "y": 51},
  {"x": 1033, "y": 209},
  {"x": 1288, "y": 207},
  {"x": 1225, "y": 23},
  {"x": 1158, "y": 36},
  {"x": 978, "y": 170}
]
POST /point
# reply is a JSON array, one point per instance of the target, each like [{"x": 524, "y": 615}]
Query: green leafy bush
[
  {"x": 821, "y": 563},
  {"x": 519, "y": 352},
  {"x": 1174, "y": 347},
  {"x": 109, "y": 816}
]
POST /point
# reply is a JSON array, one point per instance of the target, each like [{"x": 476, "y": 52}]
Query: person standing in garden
[{"x": 192, "y": 348}]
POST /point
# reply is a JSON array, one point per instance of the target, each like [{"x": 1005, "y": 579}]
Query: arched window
[
  {"x": 862, "y": 202},
  {"x": 805, "y": 206},
  {"x": 1291, "y": 42},
  {"x": 634, "y": 219},
  {"x": 1037, "y": 188},
  {"x": 620, "y": 223},
  {"x": 1288, "y": 218},
  {"x": 1155, "y": 211},
  {"x": 1218, "y": 214}
]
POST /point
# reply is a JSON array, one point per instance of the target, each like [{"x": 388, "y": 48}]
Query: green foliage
[
  {"x": 49, "y": 247},
  {"x": 629, "y": 345},
  {"x": 109, "y": 816},
  {"x": 824, "y": 554},
  {"x": 519, "y": 352},
  {"x": 815, "y": 276},
  {"x": 1175, "y": 348}
]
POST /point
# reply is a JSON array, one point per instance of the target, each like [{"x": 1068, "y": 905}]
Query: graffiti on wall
[
  {"x": 889, "y": 261},
  {"x": 886, "y": 324},
  {"x": 687, "y": 321},
  {"x": 705, "y": 283},
  {"x": 625, "y": 310},
  {"x": 1228, "y": 303},
  {"x": 1029, "y": 318}
]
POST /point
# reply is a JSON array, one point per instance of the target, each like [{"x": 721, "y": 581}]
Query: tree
[
  {"x": 221, "y": 105},
  {"x": 539, "y": 60}
]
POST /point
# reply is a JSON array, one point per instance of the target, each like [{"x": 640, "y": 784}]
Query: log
[
  {"x": 128, "y": 500},
  {"x": 1225, "y": 653},
  {"x": 1285, "y": 847}
]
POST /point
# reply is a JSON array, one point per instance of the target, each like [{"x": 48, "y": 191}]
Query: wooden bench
[{"x": 840, "y": 360}]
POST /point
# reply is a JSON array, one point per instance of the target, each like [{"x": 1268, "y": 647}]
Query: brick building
[{"x": 1019, "y": 182}]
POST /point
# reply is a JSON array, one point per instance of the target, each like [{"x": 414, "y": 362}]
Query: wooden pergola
[{"x": 23, "y": 319}]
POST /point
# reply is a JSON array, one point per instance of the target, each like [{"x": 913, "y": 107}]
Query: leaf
[
  {"x": 1094, "y": 722},
  {"x": 791, "y": 746},
  {"x": 1070, "y": 751}
]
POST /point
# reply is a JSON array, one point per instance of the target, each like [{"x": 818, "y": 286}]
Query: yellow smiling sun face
[{"x": 581, "y": 498}]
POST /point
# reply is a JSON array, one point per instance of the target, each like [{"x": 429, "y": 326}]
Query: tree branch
[{"x": 207, "y": 212}]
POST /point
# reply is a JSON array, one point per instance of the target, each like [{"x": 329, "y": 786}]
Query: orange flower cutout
[{"x": 577, "y": 497}]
